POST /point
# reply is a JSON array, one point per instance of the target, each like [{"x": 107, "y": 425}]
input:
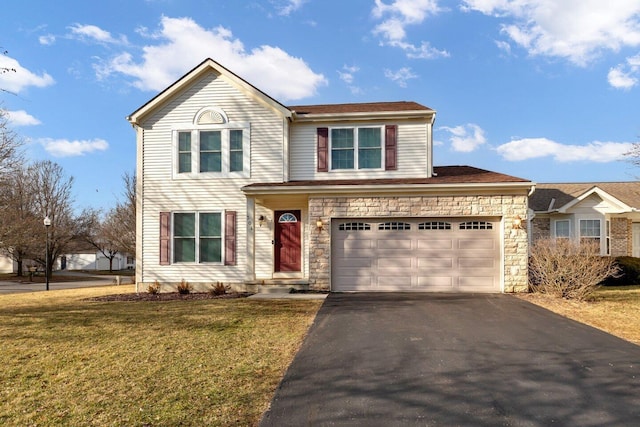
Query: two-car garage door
[{"x": 416, "y": 254}]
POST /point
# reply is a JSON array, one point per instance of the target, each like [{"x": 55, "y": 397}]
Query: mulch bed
[{"x": 168, "y": 296}]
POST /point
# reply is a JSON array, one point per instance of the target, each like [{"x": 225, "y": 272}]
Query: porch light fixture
[
  {"x": 319, "y": 224},
  {"x": 517, "y": 222},
  {"x": 261, "y": 220}
]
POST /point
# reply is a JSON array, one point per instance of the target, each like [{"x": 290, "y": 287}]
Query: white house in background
[
  {"x": 94, "y": 261},
  {"x": 6, "y": 264},
  {"x": 606, "y": 212},
  {"x": 234, "y": 186}
]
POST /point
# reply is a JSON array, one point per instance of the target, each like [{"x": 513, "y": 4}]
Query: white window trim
[
  {"x": 226, "y": 152},
  {"x": 355, "y": 148},
  {"x": 197, "y": 237},
  {"x": 555, "y": 229},
  {"x": 601, "y": 236}
]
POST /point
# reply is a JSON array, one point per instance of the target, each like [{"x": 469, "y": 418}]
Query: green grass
[
  {"x": 615, "y": 310},
  {"x": 68, "y": 361}
]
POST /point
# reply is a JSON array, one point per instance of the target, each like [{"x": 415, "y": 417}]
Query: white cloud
[
  {"x": 95, "y": 34},
  {"x": 531, "y": 148},
  {"x": 346, "y": 75},
  {"x": 401, "y": 76},
  {"x": 22, "y": 118},
  {"x": 465, "y": 138},
  {"x": 399, "y": 14},
  {"x": 181, "y": 44},
  {"x": 625, "y": 76},
  {"x": 66, "y": 148},
  {"x": 47, "y": 40},
  {"x": 19, "y": 78},
  {"x": 578, "y": 30},
  {"x": 289, "y": 6}
]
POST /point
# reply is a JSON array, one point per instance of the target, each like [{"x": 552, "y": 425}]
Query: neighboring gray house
[
  {"x": 607, "y": 212},
  {"x": 233, "y": 186}
]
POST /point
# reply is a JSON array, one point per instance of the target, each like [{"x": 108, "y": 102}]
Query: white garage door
[{"x": 415, "y": 254}]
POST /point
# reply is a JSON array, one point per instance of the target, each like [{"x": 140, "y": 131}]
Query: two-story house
[{"x": 235, "y": 187}]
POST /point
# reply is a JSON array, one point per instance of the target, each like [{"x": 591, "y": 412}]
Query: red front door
[{"x": 287, "y": 241}]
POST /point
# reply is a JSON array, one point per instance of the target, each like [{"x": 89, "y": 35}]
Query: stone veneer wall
[
  {"x": 508, "y": 207},
  {"x": 620, "y": 237}
]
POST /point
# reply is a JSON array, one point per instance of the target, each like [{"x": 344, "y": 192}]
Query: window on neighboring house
[
  {"x": 562, "y": 229},
  {"x": 590, "y": 229},
  {"x": 608, "y": 237},
  {"x": 356, "y": 148},
  {"x": 197, "y": 237},
  {"x": 223, "y": 151}
]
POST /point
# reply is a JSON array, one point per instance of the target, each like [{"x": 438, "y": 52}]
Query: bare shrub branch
[{"x": 568, "y": 269}]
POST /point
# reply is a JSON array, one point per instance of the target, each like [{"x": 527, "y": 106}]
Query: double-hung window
[
  {"x": 562, "y": 229},
  {"x": 223, "y": 151},
  {"x": 197, "y": 237},
  {"x": 590, "y": 229},
  {"x": 356, "y": 148}
]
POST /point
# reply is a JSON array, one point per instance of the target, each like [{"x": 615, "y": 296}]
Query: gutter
[{"x": 385, "y": 188}]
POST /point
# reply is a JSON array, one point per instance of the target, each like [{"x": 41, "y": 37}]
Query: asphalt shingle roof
[{"x": 563, "y": 193}]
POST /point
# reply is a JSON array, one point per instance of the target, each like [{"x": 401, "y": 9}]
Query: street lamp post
[{"x": 47, "y": 224}]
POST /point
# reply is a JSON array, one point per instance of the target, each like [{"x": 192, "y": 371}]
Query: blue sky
[{"x": 547, "y": 90}]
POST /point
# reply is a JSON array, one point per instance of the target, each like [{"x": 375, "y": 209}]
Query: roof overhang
[
  {"x": 428, "y": 115},
  {"x": 391, "y": 189}
]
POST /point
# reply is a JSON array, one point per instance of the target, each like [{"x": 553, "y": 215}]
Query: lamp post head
[{"x": 47, "y": 221}]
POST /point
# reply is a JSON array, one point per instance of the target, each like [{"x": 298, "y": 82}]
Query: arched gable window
[{"x": 210, "y": 116}]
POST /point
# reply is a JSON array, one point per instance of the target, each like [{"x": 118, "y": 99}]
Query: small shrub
[
  {"x": 184, "y": 287},
  {"x": 218, "y": 289},
  {"x": 154, "y": 288},
  {"x": 568, "y": 269},
  {"x": 629, "y": 272}
]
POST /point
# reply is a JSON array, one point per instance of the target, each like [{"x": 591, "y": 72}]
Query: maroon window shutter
[
  {"x": 323, "y": 149},
  {"x": 165, "y": 238},
  {"x": 390, "y": 148},
  {"x": 229, "y": 237}
]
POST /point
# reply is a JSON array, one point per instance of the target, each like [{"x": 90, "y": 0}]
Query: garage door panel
[
  {"x": 394, "y": 264},
  {"x": 479, "y": 262},
  {"x": 358, "y": 244},
  {"x": 433, "y": 262},
  {"x": 394, "y": 244},
  {"x": 417, "y": 254},
  {"x": 480, "y": 243},
  {"x": 439, "y": 244},
  {"x": 442, "y": 282},
  {"x": 476, "y": 283}
]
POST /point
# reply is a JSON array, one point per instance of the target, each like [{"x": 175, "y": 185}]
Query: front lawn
[
  {"x": 615, "y": 310},
  {"x": 69, "y": 361}
]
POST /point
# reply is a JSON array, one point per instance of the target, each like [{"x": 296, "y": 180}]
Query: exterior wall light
[
  {"x": 319, "y": 224},
  {"x": 517, "y": 222},
  {"x": 261, "y": 220}
]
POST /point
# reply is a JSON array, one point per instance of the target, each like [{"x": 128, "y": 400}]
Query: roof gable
[
  {"x": 206, "y": 66},
  {"x": 620, "y": 196}
]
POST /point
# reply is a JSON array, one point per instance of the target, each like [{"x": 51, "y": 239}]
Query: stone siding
[{"x": 506, "y": 207}]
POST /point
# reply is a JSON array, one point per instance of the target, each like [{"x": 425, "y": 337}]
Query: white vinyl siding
[
  {"x": 162, "y": 193},
  {"x": 412, "y": 152}
]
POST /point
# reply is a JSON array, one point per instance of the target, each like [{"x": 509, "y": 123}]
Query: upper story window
[
  {"x": 212, "y": 145},
  {"x": 356, "y": 148}
]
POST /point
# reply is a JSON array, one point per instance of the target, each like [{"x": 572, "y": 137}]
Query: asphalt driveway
[{"x": 468, "y": 360}]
